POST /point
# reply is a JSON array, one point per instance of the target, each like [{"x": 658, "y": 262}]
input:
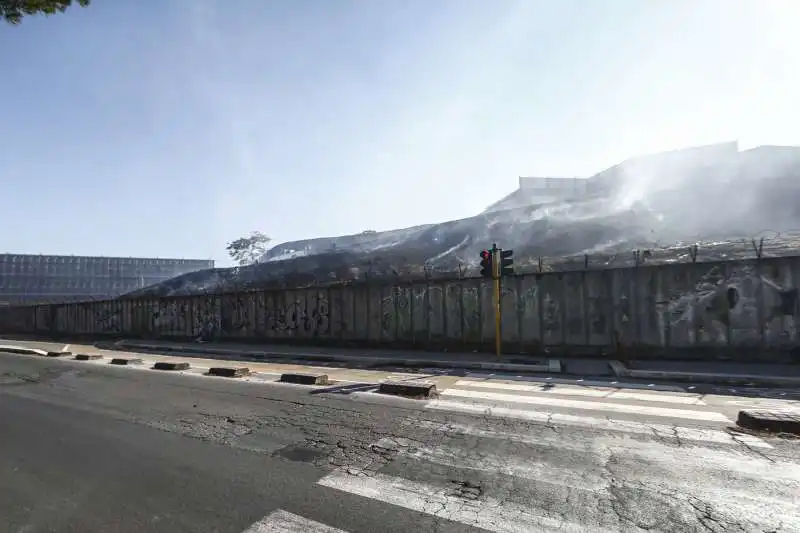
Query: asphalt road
[{"x": 96, "y": 448}]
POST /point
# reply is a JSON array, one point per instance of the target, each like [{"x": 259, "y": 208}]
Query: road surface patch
[
  {"x": 305, "y": 379},
  {"x": 165, "y": 365},
  {"x": 87, "y": 357},
  {"x": 229, "y": 372},
  {"x": 126, "y": 361},
  {"x": 408, "y": 389},
  {"x": 770, "y": 421}
]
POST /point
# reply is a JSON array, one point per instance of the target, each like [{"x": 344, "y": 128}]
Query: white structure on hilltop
[{"x": 706, "y": 166}]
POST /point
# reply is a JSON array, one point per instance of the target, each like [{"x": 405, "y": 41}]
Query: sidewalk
[
  {"x": 708, "y": 372},
  {"x": 369, "y": 358},
  {"x": 749, "y": 374}
]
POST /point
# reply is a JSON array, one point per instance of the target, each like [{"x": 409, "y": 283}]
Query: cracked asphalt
[{"x": 104, "y": 449}]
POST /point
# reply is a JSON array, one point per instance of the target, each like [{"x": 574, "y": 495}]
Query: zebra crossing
[{"x": 524, "y": 457}]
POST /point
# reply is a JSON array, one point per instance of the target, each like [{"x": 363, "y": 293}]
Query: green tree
[
  {"x": 247, "y": 250},
  {"x": 13, "y": 11}
]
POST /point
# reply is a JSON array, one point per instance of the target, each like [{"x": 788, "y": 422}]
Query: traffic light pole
[{"x": 498, "y": 342}]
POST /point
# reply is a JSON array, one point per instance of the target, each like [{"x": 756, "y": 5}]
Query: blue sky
[{"x": 167, "y": 128}]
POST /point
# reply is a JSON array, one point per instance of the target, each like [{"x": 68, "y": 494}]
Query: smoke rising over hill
[{"x": 715, "y": 196}]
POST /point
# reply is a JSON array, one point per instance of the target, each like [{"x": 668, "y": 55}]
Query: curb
[
  {"x": 228, "y": 372},
  {"x": 419, "y": 390},
  {"x": 21, "y": 350},
  {"x": 772, "y": 421},
  {"x": 58, "y": 354},
  {"x": 620, "y": 370},
  {"x": 552, "y": 365},
  {"x": 305, "y": 379},
  {"x": 723, "y": 379},
  {"x": 162, "y": 365}
]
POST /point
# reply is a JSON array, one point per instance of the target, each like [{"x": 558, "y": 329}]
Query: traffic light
[
  {"x": 506, "y": 262},
  {"x": 486, "y": 264}
]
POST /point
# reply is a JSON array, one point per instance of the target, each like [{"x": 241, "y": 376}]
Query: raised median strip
[
  {"x": 772, "y": 421},
  {"x": 126, "y": 361},
  {"x": 229, "y": 372},
  {"x": 305, "y": 379},
  {"x": 168, "y": 365},
  {"x": 88, "y": 357},
  {"x": 408, "y": 389}
]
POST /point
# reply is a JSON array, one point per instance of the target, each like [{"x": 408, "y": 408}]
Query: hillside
[{"x": 720, "y": 217}]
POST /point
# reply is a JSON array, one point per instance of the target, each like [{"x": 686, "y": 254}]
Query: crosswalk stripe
[
  {"x": 509, "y": 466},
  {"x": 611, "y": 394},
  {"x": 738, "y": 473},
  {"x": 487, "y": 513},
  {"x": 592, "y": 406},
  {"x": 281, "y": 521},
  {"x": 602, "y": 424},
  {"x": 708, "y": 436},
  {"x": 601, "y": 446}
]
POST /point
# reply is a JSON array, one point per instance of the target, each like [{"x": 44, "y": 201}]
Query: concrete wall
[{"x": 742, "y": 304}]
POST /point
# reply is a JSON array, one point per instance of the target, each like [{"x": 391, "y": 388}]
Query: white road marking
[
  {"x": 505, "y": 465},
  {"x": 282, "y": 521},
  {"x": 65, "y": 348},
  {"x": 611, "y": 394},
  {"x": 485, "y": 512},
  {"x": 592, "y": 406},
  {"x": 602, "y": 446},
  {"x": 602, "y": 424}
]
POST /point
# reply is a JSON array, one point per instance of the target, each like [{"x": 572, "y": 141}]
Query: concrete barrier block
[
  {"x": 409, "y": 389},
  {"x": 58, "y": 354},
  {"x": 126, "y": 361},
  {"x": 305, "y": 379},
  {"x": 88, "y": 357},
  {"x": 163, "y": 365},
  {"x": 228, "y": 372},
  {"x": 772, "y": 421}
]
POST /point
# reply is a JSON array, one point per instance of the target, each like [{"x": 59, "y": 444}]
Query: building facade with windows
[{"x": 27, "y": 279}]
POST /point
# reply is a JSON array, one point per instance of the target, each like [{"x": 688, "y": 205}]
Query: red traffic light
[{"x": 485, "y": 254}]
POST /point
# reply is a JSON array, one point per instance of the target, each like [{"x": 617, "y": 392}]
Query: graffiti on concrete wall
[
  {"x": 108, "y": 319},
  {"x": 205, "y": 319},
  {"x": 169, "y": 317},
  {"x": 299, "y": 318},
  {"x": 236, "y": 316},
  {"x": 733, "y": 303},
  {"x": 720, "y": 302},
  {"x": 470, "y": 299},
  {"x": 396, "y": 312}
]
